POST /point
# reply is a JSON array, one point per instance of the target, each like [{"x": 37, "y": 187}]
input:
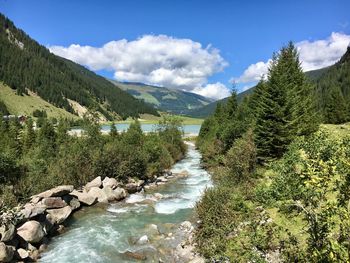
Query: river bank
[{"x": 158, "y": 234}]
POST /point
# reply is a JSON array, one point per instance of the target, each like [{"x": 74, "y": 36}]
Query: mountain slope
[
  {"x": 209, "y": 109},
  {"x": 165, "y": 99},
  {"x": 27, "y": 65}
]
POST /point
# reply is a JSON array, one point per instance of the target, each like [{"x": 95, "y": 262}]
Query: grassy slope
[{"x": 25, "y": 105}]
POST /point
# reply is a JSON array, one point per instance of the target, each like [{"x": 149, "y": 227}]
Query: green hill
[
  {"x": 207, "y": 110},
  {"x": 165, "y": 99},
  {"x": 26, "y": 65}
]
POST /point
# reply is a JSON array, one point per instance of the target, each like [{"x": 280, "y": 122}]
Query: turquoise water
[
  {"x": 188, "y": 128},
  {"x": 104, "y": 234}
]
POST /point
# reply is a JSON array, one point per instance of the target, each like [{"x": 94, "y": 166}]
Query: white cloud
[
  {"x": 322, "y": 53},
  {"x": 313, "y": 55},
  {"x": 216, "y": 91},
  {"x": 158, "y": 60}
]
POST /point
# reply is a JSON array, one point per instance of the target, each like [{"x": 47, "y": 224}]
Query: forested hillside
[
  {"x": 26, "y": 65},
  {"x": 281, "y": 182},
  {"x": 333, "y": 91}
]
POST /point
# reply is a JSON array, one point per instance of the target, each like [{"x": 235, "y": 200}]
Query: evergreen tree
[
  {"x": 335, "y": 108},
  {"x": 62, "y": 131},
  {"x": 29, "y": 135},
  {"x": 113, "y": 132}
]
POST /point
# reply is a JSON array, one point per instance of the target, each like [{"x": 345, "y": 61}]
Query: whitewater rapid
[{"x": 104, "y": 234}]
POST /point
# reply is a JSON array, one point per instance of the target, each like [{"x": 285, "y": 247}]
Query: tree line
[{"x": 281, "y": 182}]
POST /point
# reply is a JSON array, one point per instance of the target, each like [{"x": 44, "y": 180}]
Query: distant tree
[
  {"x": 113, "y": 132},
  {"x": 29, "y": 135}
]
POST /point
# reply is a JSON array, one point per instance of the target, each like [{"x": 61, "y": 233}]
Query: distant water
[
  {"x": 192, "y": 129},
  {"x": 103, "y": 234},
  {"x": 188, "y": 129}
]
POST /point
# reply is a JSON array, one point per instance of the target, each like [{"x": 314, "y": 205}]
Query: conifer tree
[
  {"x": 29, "y": 135},
  {"x": 335, "y": 108},
  {"x": 113, "y": 132}
]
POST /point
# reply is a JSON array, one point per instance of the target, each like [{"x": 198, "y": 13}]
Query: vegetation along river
[{"x": 106, "y": 234}]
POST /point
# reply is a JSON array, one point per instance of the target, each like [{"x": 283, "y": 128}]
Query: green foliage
[
  {"x": 39, "y": 114},
  {"x": 3, "y": 109}
]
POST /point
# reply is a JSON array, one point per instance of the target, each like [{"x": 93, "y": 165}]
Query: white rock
[
  {"x": 55, "y": 192},
  {"x": 58, "y": 216},
  {"x": 31, "y": 231},
  {"x": 23, "y": 254},
  {"x": 110, "y": 182},
  {"x": 84, "y": 197},
  {"x": 158, "y": 195},
  {"x": 99, "y": 194},
  {"x": 97, "y": 182},
  {"x": 7, "y": 232},
  {"x": 120, "y": 193},
  {"x": 143, "y": 240}
]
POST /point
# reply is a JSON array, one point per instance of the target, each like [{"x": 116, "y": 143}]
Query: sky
[{"x": 206, "y": 47}]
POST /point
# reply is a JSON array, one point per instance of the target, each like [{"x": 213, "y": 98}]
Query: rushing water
[{"x": 104, "y": 234}]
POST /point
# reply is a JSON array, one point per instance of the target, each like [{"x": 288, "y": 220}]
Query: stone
[
  {"x": 84, "y": 197},
  {"x": 6, "y": 253},
  {"x": 53, "y": 202},
  {"x": 32, "y": 210},
  {"x": 186, "y": 225},
  {"x": 22, "y": 253},
  {"x": 120, "y": 193},
  {"x": 133, "y": 186},
  {"x": 184, "y": 253},
  {"x": 158, "y": 196},
  {"x": 31, "y": 231},
  {"x": 142, "y": 240},
  {"x": 58, "y": 216},
  {"x": 99, "y": 194},
  {"x": 134, "y": 255},
  {"x": 43, "y": 247},
  {"x": 97, "y": 182},
  {"x": 110, "y": 182},
  {"x": 7, "y": 232},
  {"x": 34, "y": 255},
  {"x": 111, "y": 196},
  {"x": 72, "y": 201},
  {"x": 56, "y": 192}
]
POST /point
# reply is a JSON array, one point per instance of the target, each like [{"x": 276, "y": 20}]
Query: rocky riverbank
[{"x": 26, "y": 231}]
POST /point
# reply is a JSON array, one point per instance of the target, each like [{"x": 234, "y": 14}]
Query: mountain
[
  {"x": 209, "y": 109},
  {"x": 165, "y": 99},
  {"x": 333, "y": 91},
  {"x": 27, "y": 67}
]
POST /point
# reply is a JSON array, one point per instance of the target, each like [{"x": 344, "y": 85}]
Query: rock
[
  {"x": 158, "y": 196},
  {"x": 153, "y": 229},
  {"x": 97, "y": 182},
  {"x": 84, "y": 197},
  {"x": 7, "y": 232},
  {"x": 42, "y": 248},
  {"x": 22, "y": 253},
  {"x": 161, "y": 179},
  {"x": 120, "y": 193},
  {"x": 34, "y": 255},
  {"x": 31, "y": 231},
  {"x": 184, "y": 253},
  {"x": 110, "y": 182},
  {"x": 73, "y": 202},
  {"x": 134, "y": 255},
  {"x": 182, "y": 174},
  {"x": 56, "y": 192},
  {"x": 111, "y": 196},
  {"x": 32, "y": 210},
  {"x": 53, "y": 202},
  {"x": 143, "y": 240},
  {"x": 99, "y": 194},
  {"x": 197, "y": 259},
  {"x": 186, "y": 225},
  {"x": 133, "y": 186},
  {"x": 6, "y": 253},
  {"x": 58, "y": 216}
]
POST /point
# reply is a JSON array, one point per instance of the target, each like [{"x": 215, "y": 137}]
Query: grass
[
  {"x": 337, "y": 131},
  {"x": 26, "y": 104}
]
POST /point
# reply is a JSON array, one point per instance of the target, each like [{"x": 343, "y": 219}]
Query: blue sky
[{"x": 242, "y": 34}]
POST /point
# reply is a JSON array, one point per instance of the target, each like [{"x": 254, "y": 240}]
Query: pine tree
[
  {"x": 113, "y": 132},
  {"x": 29, "y": 135},
  {"x": 335, "y": 108}
]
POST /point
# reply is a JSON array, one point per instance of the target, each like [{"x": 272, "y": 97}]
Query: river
[{"x": 104, "y": 234}]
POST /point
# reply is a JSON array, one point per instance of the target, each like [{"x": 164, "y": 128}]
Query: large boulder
[
  {"x": 6, "y": 253},
  {"x": 53, "y": 202},
  {"x": 134, "y": 186},
  {"x": 58, "y": 216},
  {"x": 110, "y": 182},
  {"x": 98, "y": 193},
  {"x": 120, "y": 193},
  {"x": 97, "y": 182},
  {"x": 55, "y": 192},
  {"x": 31, "y": 231},
  {"x": 7, "y": 232},
  {"x": 84, "y": 197}
]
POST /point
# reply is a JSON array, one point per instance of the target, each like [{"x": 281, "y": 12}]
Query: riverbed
[{"x": 110, "y": 233}]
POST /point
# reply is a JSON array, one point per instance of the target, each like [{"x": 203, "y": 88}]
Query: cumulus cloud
[
  {"x": 313, "y": 55},
  {"x": 216, "y": 91},
  {"x": 158, "y": 60}
]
